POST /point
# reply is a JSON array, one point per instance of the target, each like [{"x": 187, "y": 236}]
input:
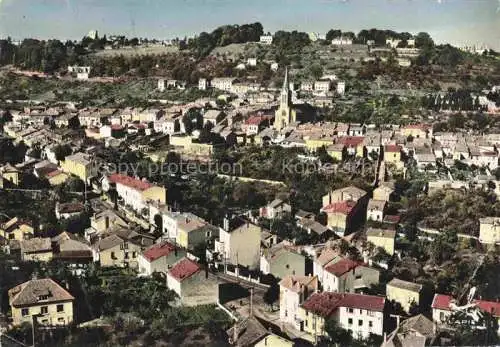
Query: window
[
  {"x": 350, "y": 310},
  {"x": 113, "y": 256},
  {"x": 134, "y": 254},
  {"x": 60, "y": 320},
  {"x": 349, "y": 321},
  {"x": 124, "y": 245},
  {"x": 441, "y": 316},
  {"x": 360, "y": 311},
  {"x": 25, "y": 311},
  {"x": 126, "y": 255},
  {"x": 360, "y": 322},
  {"x": 44, "y": 310},
  {"x": 370, "y": 324},
  {"x": 60, "y": 308},
  {"x": 11, "y": 236}
]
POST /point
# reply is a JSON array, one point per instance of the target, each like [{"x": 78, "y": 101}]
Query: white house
[
  {"x": 322, "y": 86},
  {"x": 252, "y": 61},
  {"x": 375, "y": 210},
  {"x": 359, "y": 314},
  {"x": 294, "y": 290},
  {"x": 348, "y": 276},
  {"x": 266, "y": 39},
  {"x": 203, "y": 84},
  {"x": 161, "y": 85},
  {"x": 223, "y": 83},
  {"x": 275, "y": 209},
  {"x": 341, "y": 88},
  {"x": 239, "y": 243},
  {"x": 159, "y": 258},
  {"x": 341, "y": 41},
  {"x": 69, "y": 210}
]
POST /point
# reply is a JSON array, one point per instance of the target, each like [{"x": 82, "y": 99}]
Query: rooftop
[
  {"x": 131, "y": 182},
  {"x": 442, "y": 302},
  {"x": 414, "y": 287},
  {"x": 344, "y": 207},
  {"x": 385, "y": 233},
  {"x": 36, "y": 244},
  {"x": 299, "y": 283},
  {"x": 37, "y": 291},
  {"x": 342, "y": 266},
  {"x": 326, "y": 303},
  {"x": 378, "y": 205},
  {"x": 158, "y": 250},
  {"x": 183, "y": 269}
]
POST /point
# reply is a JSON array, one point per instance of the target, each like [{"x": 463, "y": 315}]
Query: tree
[
  {"x": 272, "y": 294},
  {"x": 333, "y": 33},
  {"x": 316, "y": 71},
  {"x": 423, "y": 40},
  {"x": 336, "y": 334},
  {"x": 61, "y": 151}
]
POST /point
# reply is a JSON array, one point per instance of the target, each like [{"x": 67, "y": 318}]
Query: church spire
[{"x": 285, "y": 82}]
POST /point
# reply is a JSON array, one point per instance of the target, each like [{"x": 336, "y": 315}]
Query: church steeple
[{"x": 285, "y": 91}]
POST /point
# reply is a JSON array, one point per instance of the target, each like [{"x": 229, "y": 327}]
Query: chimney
[{"x": 106, "y": 222}]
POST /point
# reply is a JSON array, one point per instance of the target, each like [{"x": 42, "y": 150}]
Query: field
[{"x": 131, "y": 51}]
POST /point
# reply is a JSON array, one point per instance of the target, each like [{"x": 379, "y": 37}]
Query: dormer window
[{"x": 43, "y": 297}]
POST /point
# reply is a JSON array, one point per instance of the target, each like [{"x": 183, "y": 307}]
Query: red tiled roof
[
  {"x": 392, "y": 148},
  {"x": 342, "y": 266},
  {"x": 53, "y": 173},
  {"x": 442, "y": 302},
  {"x": 351, "y": 141},
  {"x": 183, "y": 269},
  {"x": 130, "y": 182},
  {"x": 418, "y": 126},
  {"x": 325, "y": 304},
  {"x": 344, "y": 207},
  {"x": 255, "y": 120},
  {"x": 158, "y": 250},
  {"x": 392, "y": 218},
  {"x": 116, "y": 127}
]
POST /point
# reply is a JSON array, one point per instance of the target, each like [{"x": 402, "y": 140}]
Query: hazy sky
[{"x": 454, "y": 21}]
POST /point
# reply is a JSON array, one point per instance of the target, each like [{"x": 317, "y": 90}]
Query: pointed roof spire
[{"x": 285, "y": 82}]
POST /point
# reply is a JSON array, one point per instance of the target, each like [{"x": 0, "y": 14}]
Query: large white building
[
  {"x": 294, "y": 290},
  {"x": 239, "y": 243},
  {"x": 266, "y": 39},
  {"x": 359, "y": 314},
  {"x": 223, "y": 83}
]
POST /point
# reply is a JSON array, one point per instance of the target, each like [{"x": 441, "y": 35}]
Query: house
[
  {"x": 348, "y": 276},
  {"x": 159, "y": 258},
  {"x": 282, "y": 260},
  {"x": 239, "y": 243},
  {"x": 266, "y": 39},
  {"x": 79, "y": 165},
  {"x": 10, "y": 174},
  {"x": 120, "y": 248},
  {"x": 405, "y": 293},
  {"x": 69, "y": 210},
  {"x": 294, "y": 290},
  {"x": 361, "y": 315},
  {"x": 114, "y": 130},
  {"x": 275, "y": 209},
  {"x": 443, "y": 306},
  {"x": 70, "y": 248},
  {"x": 134, "y": 192},
  {"x": 249, "y": 332},
  {"x": 336, "y": 151},
  {"x": 342, "y": 216},
  {"x": 203, "y": 84},
  {"x": 42, "y": 299},
  {"x": 101, "y": 221},
  {"x": 307, "y": 86},
  {"x": 342, "y": 41},
  {"x": 392, "y": 154},
  {"x": 375, "y": 210},
  {"x": 353, "y": 144},
  {"x": 417, "y": 131},
  {"x": 417, "y": 331},
  {"x": 254, "y": 124},
  {"x": 340, "y": 88},
  {"x": 36, "y": 249},
  {"x": 223, "y": 83},
  {"x": 489, "y": 230},
  {"x": 322, "y": 259},
  {"x": 16, "y": 229},
  {"x": 384, "y": 192},
  {"x": 193, "y": 231},
  {"x": 171, "y": 221},
  {"x": 193, "y": 285},
  {"x": 322, "y": 86},
  {"x": 252, "y": 61},
  {"x": 383, "y": 238},
  {"x": 343, "y": 194},
  {"x": 273, "y": 340},
  {"x": 213, "y": 117}
]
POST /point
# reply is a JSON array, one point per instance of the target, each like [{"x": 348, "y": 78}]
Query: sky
[{"x": 458, "y": 22}]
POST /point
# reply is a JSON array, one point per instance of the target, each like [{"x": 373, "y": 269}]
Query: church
[{"x": 288, "y": 113}]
